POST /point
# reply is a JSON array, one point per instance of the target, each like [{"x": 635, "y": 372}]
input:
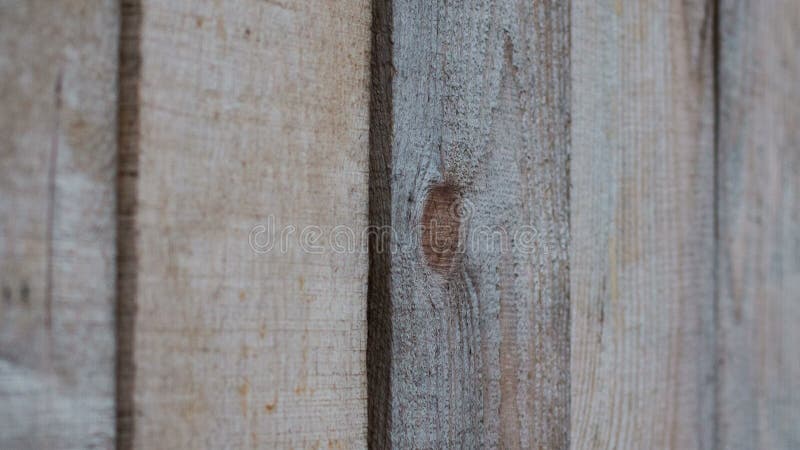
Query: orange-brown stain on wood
[
  {"x": 254, "y": 439},
  {"x": 244, "y": 389},
  {"x": 441, "y": 223}
]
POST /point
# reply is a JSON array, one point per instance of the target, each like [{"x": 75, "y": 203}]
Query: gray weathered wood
[
  {"x": 58, "y": 72},
  {"x": 642, "y": 215},
  {"x": 759, "y": 225},
  {"x": 469, "y": 167},
  {"x": 241, "y": 111}
]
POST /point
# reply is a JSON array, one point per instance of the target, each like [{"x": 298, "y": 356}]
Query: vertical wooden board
[
  {"x": 759, "y": 225},
  {"x": 58, "y": 67},
  {"x": 642, "y": 224},
  {"x": 249, "y": 113},
  {"x": 474, "y": 163}
]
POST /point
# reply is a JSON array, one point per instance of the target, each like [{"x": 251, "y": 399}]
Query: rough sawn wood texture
[
  {"x": 244, "y": 113},
  {"x": 470, "y": 168},
  {"x": 759, "y": 225},
  {"x": 58, "y": 92},
  {"x": 642, "y": 222}
]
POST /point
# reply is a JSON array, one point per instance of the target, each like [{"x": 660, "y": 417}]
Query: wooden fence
[{"x": 400, "y": 224}]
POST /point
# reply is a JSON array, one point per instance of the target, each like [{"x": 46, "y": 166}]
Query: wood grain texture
[
  {"x": 759, "y": 225},
  {"x": 58, "y": 65},
  {"x": 642, "y": 224},
  {"x": 471, "y": 101},
  {"x": 249, "y": 113}
]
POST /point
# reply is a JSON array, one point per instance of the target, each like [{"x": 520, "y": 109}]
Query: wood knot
[{"x": 441, "y": 227}]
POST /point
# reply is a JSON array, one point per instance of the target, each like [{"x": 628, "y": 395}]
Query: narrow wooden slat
[
  {"x": 642, "y": 248},
  {"x": 58, "y": 67},
  {"x": 246, "y": 113},
  {"x": 759, "y": 225},
  {"x": 470, "y": 156}
]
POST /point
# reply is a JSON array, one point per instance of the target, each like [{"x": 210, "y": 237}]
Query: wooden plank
[
  {"x": 642, "y": 224},
  {"x": 246, "y": 113},
  {"x": 471, "y": 174},
  {"x": 759, "y": 225},
  {"x": 58, "y": 67}
]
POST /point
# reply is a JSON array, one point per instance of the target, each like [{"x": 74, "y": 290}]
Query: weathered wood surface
[
  {"x": 58, "y": 66},
  {"x": 246, "y": 110},
  {"x": 470, "y": 169},
  {"x": 642, "y": 224},
  {"x": 759, "y": 225}
]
